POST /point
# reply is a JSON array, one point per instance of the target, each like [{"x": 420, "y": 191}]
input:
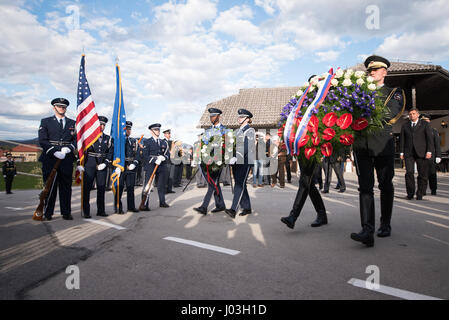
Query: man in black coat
[
  {"x": 416, "y": 146},
  {"x": 376, "y": 152},
  {"x": 57, "y": 137},
  {"x": 9, "y": 172},
  {"x": 436, "y": 158}
]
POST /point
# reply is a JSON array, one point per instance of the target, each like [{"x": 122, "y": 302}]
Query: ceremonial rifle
[
  {"x": 147, "y": 190},
  {"x": 39, "y": 213}
]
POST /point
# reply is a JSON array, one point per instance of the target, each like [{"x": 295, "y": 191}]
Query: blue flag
[{"x": 118, "y": 132}]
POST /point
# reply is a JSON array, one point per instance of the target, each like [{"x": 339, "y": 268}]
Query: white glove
[
  {"x": 118, "y": 172},
  {"x": 161, "y": 158},
  {"x": 59, "y": 155},
  {"x": 437, "y": 160},
  {"x": 132, "y": 166},
  {"x": 193, "y": 164},
  {"x": 233, "y": 160},
  {"x": 65, "y": 150},
  {"x": 101, "y": 166},
  {"x": 158, "y": 161},
  {"x": 80, "y": 169}
]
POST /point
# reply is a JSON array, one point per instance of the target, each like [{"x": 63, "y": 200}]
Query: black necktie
[{"x": 61, "y": 124}]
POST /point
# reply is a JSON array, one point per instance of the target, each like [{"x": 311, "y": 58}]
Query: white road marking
[
  {"x": 403, "y": 294},
  {"x": 426, "y": 236},
  {"x": 203, "y": 245},
  {"x": 437, "y": 224},
  {"x": 15, "y": 209},
  {"x": 107, "y": 224},
  {"x": 424, "y": 212}
]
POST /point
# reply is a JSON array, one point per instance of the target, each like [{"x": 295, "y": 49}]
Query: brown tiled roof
[
  {"x": 27, "y": 148},
  {"x": 403, "y": 67},
  {"x": 264, "y": 103}
]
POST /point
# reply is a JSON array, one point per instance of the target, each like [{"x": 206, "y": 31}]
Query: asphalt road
[{"x": 147, "y": 255}]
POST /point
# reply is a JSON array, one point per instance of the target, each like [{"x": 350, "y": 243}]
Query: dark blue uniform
[
  {"x": 215, "y": 175},
  {"x": 245, "y": 161},
  {"x": 151, "y": 150},
  {"x": 53, "y": 138},
  {"x": 100, "y": 152},
  {"x": 9, "y": 172},
  {"x": 131, "y": 155}
]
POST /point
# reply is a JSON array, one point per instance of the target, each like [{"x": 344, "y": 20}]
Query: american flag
[{"x": 87, "y": 124}]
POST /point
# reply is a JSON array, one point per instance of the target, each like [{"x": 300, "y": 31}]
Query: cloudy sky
[{"x": 178, "y": 56}]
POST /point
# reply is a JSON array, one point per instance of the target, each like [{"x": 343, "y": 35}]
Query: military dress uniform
[
  {"x": 170, "y": 165},
  {"x": 98, "y": 157},
  {"x": 246, "y": 145},
  {"x": 9, "y": 172},
  {"x": 376, "y": 152},
  {"x": 55, "y": 135},
  {"x": 131, "y": 155},
  {"x": 152, "y": 149},
  {"x": 214, "y": 175}
]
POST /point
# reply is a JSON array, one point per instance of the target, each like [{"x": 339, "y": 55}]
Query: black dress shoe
[
  {"x": 121, "y": 211},
  {"x": 47, "y": 218},
  {"x": 245, "y": 212},
  {"x": 363, "y": 237},
  {"x": 342, "y": 190},
  {"x": 231, "y": 213},
  {"x": 325, "y": 191},
  {"x": 320, "y": 221},
  {"x": 146, "y": 209},
  {"x": 102, "y": 214},
  {"x": 67, "y": 217},
  {"x": 87, "y": 216},
  {"x": 171, "y": 191},
  {"x": 201, "y": 210},
  {"x": 218, "y": 209},
  {"x": 409, "y": 198},
  {"x": 164, "y": 205},
  {"x": 434, "y": 193},
  {"x": 288, "y": 221},
  {"x": 384, "y": 232},
  {"x": 418, "y": 197},
  {"x": 133, "y": 210}
]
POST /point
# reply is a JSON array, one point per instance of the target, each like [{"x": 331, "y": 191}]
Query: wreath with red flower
[{"x": 352, "y": 108}]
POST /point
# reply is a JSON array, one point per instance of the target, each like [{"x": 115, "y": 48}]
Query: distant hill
[{"x": 29, "y": 141}]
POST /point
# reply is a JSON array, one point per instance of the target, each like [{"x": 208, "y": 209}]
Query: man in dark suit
[
  {"x": 155, "y": 152},
  {"x": 9, "y": 172},
  {"x": 376, "y": 152},
  {"x": 57, "y": 137},
  {"x": 416, "y": 145},
  {"x": 98, "y": 157},
  {"x": 436, "y": 158}
]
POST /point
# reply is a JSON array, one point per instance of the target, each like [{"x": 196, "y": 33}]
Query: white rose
[
  {"x": 299, "y": 93},
  {"x": 339, "y": 73},
  {"x": 219, "y": 163},
  {"x": 226, "y": 157},
  {"x": 311, "y": 88},
  {"x": 372, "y": 86},
  {"x": 360, "y": 82},
  {"x": 334, "y": 82},
  {"x": 231, "y": 141},
  {"x": 349, "y": 73},
  {"x": 370, "y": 79},
  {"x": 306, "y": 84},
  {"x": 347, "y": 82},
  {"x": 359, "y": 74},
  {"x": 314, "y": 80},
  {"x": 230, "y": 134}
]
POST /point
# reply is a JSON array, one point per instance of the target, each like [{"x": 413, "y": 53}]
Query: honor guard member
[
  {"x": 57, "y": 137},
  {"x": 155, "y": 152},
  {"x": 376, "y": 152},
  {"x": 9, "y": 172},
  {"x": 129, "y": 175},
  {"x": 246, "y": 144},
  {"x": 214, "y": 114},
  {"x": 98, "y": 158},
  {"x": 170, "y": 166}
]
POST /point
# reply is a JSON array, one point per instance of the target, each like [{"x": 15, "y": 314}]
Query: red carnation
[
  {"x": 316, "y": 139},
  {"x": 309, "y": 152},
  {"x": 346, "y": 139},
  {"x": 329, "y": 119},
  {"x": 344, "y": 121},
  {"x": 303, "y": 141},
  {"x": 328, "y": 134},
  {"x": 313, "y": 124},
  {"x": 326, "y": 149},
  {"x": 359, "y": 124}
]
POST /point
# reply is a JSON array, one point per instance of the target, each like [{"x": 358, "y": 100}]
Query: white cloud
[
  {"x": 267, "y": 5},
  {"x": 330, "y": 55}
]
